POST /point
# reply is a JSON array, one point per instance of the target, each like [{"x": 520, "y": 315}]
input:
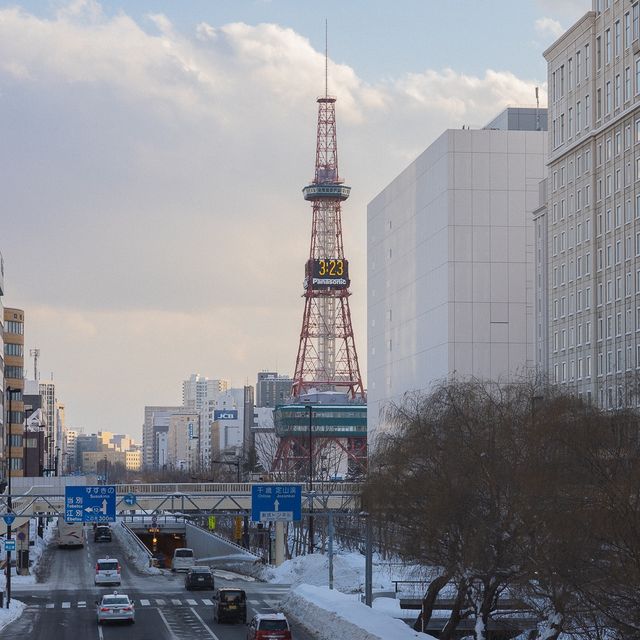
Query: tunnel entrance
[{"x": 162, "y": 544}]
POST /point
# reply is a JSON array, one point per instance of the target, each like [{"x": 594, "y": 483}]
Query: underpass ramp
[{"x": 218, "y": 552}]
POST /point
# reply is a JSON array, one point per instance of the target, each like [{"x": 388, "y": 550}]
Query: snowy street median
[
  {"x": 12, "y": 613},
  {"x": 332, "y": 615}
]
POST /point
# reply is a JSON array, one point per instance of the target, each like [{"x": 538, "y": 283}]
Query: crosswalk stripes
[{"x": 143, "y": 602}]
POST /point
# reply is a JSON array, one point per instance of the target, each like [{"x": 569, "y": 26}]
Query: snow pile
[
  {"x": 35, "y": 553},
  {"x": 333, "y": 615},
  {"x": 134, "y": 549},
  {"x": 391, "y": 607},
  {"x": 348, "y": 572},
  {"x": 12, "y": 613}
]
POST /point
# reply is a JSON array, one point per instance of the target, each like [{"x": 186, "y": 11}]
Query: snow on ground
[
  {"x": 12, "y": 613},
  {"x": 332, "y": 615},
  {"x": 35, "y": 553},
  {"x": 391, "y": 607},
  {"x": 134, "y": 549},
  {"x": 348, "y": 572}
]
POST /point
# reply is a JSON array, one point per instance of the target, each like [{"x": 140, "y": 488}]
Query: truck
[{"x": 70, "y": 534}]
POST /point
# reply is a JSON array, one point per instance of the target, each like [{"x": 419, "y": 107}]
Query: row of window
[
  {"x": 608, "y": 293},
  {"x": 11, "y": 349},
  {"x": 15, "y": 373},
  {"x": 12, "y": 326},
  {"x": 15, "y": 417},
  {"x": 617, "y": 92},
  {"x": 613, "y": 44},
  {"x": 609, "y": 363}
]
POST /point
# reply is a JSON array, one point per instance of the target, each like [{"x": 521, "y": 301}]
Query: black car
[
  {"x": 102, "y": 534},
  {"x": 230, "y": 605},
  {"x": 198, "y": 578}
]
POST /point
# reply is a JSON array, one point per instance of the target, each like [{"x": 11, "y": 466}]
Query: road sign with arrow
[
  {"x": 274, "y": 502},
  {"x": 90, "y": 503}
]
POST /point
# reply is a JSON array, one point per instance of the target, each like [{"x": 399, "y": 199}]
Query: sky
[{"x": 153, "y": 154}]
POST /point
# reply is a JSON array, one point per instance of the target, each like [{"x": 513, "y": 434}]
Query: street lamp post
[
  {"x": 8, "y": 457},
  {"x": 311, "y": 536}
]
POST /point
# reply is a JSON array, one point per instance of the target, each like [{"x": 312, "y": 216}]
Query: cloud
[
  {"x": 548, "y": 28},
  {"x": 158, "y": 174},
  {"x": 570, "y": 10}
]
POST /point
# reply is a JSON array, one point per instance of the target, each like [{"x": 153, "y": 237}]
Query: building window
[
  {"x": 617, "y": 37},
  {"x": 607, "y": 46},
  {"x": 12, "y": 326}
]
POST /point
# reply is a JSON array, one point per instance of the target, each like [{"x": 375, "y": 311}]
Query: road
[{"x": 61, "y": 605}]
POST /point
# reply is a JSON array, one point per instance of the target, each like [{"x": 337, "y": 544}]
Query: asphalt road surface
[{"x": 61, "y": 605}]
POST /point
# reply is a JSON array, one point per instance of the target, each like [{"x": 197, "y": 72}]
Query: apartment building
[
  {"x": 14, "y": 388},
  {"x": 587, "y": 228}
]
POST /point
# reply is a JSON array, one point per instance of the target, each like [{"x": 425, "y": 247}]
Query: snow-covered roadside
[
  {"x": 12, "y": 613},
  {"x": 35, "y": 554},
  {"x": 332, "y": 615},
  {"x": 134, "y": 550}
]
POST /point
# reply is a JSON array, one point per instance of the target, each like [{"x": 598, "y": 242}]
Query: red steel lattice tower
[{"x": 327, "y": 359}]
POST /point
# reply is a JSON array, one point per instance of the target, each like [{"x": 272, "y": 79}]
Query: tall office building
[
  {"x": 197, "y": 389},
  {"x": 450, "y": 261},
  {"x": 14, "y": 381},
  {"x": 156, "y": 420},
  {"x": 48, "y": 393},
  {"x": 587, "y": 228},
  {"x": 272, "y": 389}
]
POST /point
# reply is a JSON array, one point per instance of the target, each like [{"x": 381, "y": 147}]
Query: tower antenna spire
[{"x": 326, "y": 58}]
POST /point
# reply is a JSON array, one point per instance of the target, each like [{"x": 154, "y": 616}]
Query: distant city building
[
  {"x": 450, "y": 261},
  {"x": 198, "y": 389},
  {"x": 156, "y": 420},
  {"x": 94, "y": 461},
  {"x": 86, "y": 444},
  {"x": 183, "y": 442},
  {"x": 133, "y": 459},
  {"x": 272, "y": 389},
  {"x": 35, "y": 430},
  {"x": 14, "y": 380},
  {"x": 48, "y": 392},
  {"x": 586, "y": 229},
  {"x": 69, "y": 450}
]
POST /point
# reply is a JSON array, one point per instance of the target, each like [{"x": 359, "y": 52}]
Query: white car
[
  {"x": 115, "y": 606},
  {"x": 108, "y": 571},
  {"x": 183, "y": 559}
]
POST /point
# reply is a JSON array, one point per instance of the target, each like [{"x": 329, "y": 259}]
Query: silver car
[{"x": 114, "y": 607}]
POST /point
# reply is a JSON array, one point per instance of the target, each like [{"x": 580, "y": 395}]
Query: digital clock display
[{"x": 327, "y": 273}]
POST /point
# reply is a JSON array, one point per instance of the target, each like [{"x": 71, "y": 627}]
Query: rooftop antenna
[
  {"x": 537, "y": 113},
  {"x": 326, "y": 59},
  {"x": 35, "y": 354}
]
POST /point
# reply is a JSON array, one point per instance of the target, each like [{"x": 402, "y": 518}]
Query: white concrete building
[
  {"x": 450, "y": 261},
  {"x": 588, "y": 224},
  {"x": 198, "y": 389}
]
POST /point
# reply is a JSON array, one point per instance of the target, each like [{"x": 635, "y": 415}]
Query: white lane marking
[
  {"x": 66, "y": 605},
  {"x": 100, "y": 634},
  {"x": 176, "y": 602},
  {"x": 207, "y": 602},
  {"x": 144, "y": 603},
  {"x": 172, "y": 635},
  {"x": 160, "y": 601},
  {"x": 51, "y": 605},
  {"x": 191, "y": 603},
  {"x": 204, "y": 624},
  {"x": 82, "y": 604},
  {"x": 254, "y": 601}
]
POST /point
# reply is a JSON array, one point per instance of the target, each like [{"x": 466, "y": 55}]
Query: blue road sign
[
  {"x": 90, "y": 504},
  {"x": 129, "y": 499},
  {"x": 8, "y": 518},
  {"x": 273, "y": 502},
  {"x": 9, "y": 545}
]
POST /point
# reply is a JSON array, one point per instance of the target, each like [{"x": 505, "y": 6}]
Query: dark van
[{"x": 230, "y": 605}]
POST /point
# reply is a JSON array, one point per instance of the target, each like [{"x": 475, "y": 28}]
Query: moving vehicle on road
[
  {"x": 198, "y": 578},
  {"x": 108, "y": 571},
  {"x": 183, "y": 559},
  {"x": 115, "y": 607},
  {"x": 70, "y": 534},
  {"x": 230, "y": 605},
  {"x": 102, "y": 533},
  {"x": 269, "y": 626}
]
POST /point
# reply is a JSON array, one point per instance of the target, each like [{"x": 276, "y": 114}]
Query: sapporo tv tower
[{"x": 327, "y": 375}]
